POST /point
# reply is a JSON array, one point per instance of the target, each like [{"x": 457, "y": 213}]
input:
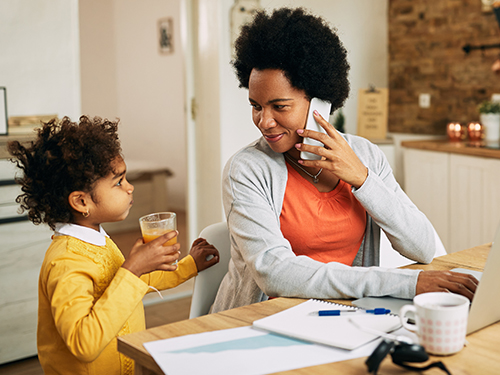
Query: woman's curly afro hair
[
  {"x": 65, "y": 157},
  {"x": 303, "y": 46}
]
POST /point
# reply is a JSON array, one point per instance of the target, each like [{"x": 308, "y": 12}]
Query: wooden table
[{"x": 480, "y": 356}]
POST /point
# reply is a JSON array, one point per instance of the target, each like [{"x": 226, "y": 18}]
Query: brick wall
[{"x": 425, "y": 56}]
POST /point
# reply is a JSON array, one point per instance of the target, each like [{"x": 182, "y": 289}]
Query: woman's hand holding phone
[{"x": 336, "y": 156}]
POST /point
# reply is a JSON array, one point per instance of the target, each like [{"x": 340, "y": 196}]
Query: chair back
[{"x": 206, "y": 283}]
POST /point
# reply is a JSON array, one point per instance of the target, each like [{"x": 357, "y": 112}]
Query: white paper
[{"x": 243, "y": 351}]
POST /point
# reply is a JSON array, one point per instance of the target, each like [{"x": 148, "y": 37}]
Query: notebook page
[{"x": 302, "y": 322}]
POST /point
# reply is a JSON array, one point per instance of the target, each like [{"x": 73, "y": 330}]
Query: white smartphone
[{"x": 323, "y": 107}]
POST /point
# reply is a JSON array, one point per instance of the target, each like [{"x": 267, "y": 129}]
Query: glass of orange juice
[{"x": 156, "y": 225}]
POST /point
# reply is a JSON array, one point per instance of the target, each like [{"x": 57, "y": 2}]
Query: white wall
[
  {"x": 125, "y": 76},
  {"x": 237, "y": 128},
  {"x": 98, "y": 58},
  {"x": 39, "y": 57}
]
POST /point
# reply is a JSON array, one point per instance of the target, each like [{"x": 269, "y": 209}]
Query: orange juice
[{"x": 154, "y": 234}]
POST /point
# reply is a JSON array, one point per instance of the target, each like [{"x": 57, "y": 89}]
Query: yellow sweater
[{"x": 86, "y": 300}]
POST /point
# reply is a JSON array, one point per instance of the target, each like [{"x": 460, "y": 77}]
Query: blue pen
[{"x": 377, "y": 311}]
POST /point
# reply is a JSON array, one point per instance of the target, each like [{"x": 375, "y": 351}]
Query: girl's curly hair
[
  {"x": 65, "y": 157},
  {"x": 303, "y": 46}
]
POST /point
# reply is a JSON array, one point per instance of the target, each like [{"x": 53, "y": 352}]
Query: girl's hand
[
  {"x": 337, "y": 156},
  {"x": 153, "y": 256},
  {"x": 200, "y": 251}
]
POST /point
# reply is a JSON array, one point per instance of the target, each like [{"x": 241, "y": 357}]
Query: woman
[{"x": 311, "y": 229}]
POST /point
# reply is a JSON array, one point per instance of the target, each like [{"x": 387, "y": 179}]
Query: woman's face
[{"x": 279, "y": 109}]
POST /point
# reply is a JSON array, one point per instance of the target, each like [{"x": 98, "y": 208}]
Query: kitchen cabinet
[
  {"x": 474, "y": 200},
  {"x": 456, "y": 186},
  {"x": 22, "y": 250}
]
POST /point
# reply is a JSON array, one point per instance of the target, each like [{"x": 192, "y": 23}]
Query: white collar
[{"x": 82, "y": 233}]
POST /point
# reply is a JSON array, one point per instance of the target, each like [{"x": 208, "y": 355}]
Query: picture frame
[
  {"x": 165, "y": 36},
  {"x": 3, "y": 111}
]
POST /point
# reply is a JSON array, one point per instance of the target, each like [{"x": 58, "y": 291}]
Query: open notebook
[{"x": 302, "y": 322}]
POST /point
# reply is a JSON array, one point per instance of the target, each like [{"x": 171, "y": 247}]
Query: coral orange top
[{"x": 327, "y": 227}]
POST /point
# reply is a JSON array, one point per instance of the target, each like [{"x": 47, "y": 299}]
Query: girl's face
[
  {"x": 111, "y": 197},
  {"x": 279, "y": 109}
]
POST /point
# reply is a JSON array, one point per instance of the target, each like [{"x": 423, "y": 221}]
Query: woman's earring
[{"x": 86, "y": 214}]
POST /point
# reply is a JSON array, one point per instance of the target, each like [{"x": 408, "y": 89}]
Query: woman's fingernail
[
  {"x": 300, "y": 131},
  {"x": 316, "y": 112},
  {"x": 298, "y": 145}
]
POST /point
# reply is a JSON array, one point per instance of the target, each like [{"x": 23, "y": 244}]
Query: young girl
[{"x": 74, "y": 180}]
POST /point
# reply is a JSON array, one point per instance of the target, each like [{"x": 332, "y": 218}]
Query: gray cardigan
[{"x": 262, "y": 261}]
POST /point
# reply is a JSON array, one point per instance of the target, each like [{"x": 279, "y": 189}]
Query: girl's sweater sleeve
[
  {"x": 186, "y": 269},
  {"x": 85, "y": 324}
]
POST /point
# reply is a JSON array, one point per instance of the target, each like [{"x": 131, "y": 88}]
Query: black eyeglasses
[{"x": 401, "y": 353}]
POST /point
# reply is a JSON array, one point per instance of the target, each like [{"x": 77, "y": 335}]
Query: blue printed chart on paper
[{"x": 243, "y": 351}]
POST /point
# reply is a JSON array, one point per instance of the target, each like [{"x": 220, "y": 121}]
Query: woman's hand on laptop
[{"x": 447, "y": 281}]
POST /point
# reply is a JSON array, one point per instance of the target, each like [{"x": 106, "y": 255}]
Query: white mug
[{"x": 440, "y": 321}]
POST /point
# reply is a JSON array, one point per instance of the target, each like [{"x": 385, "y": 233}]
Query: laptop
[{"x": 485, "y": 307}]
